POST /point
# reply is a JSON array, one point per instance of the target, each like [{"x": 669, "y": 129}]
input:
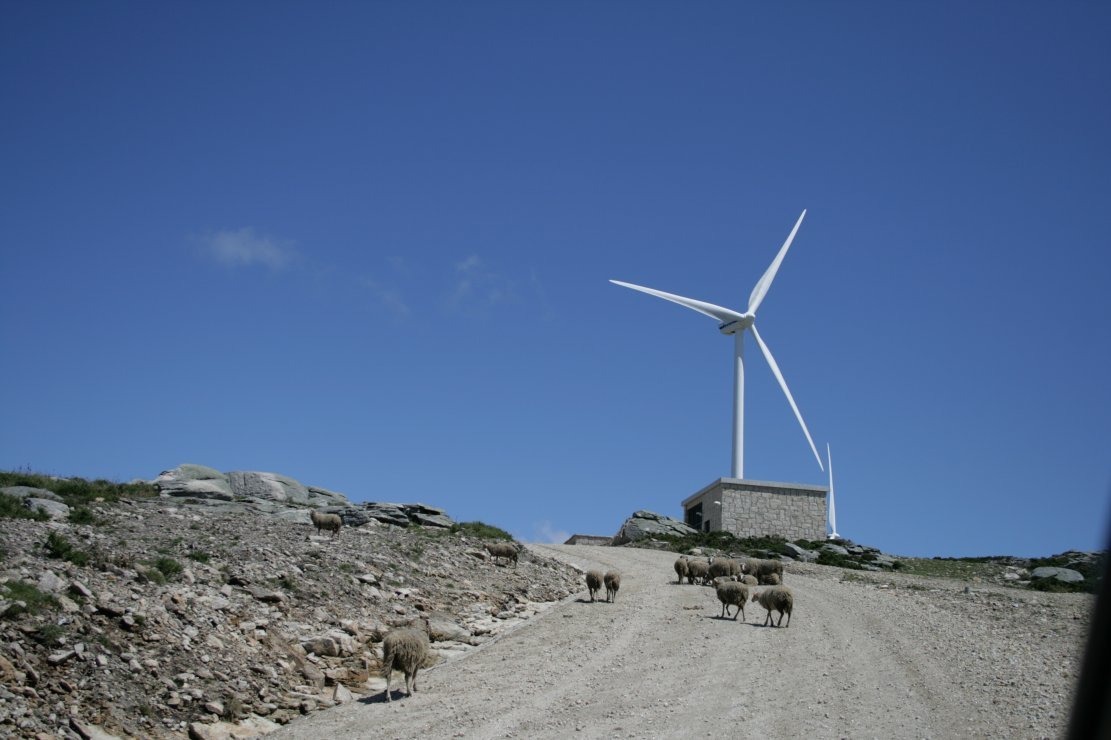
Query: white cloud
[
  {"x": 243, "y": 247},
  {"x": 478, "y": 287},
  {"x": 390, "y": 298},
  {"x": 547, "y": 533}
]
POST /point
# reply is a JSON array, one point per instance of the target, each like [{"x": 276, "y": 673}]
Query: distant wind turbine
[
  {"x": 832, "y": 506},
  {"x": 735, "y": 323}
]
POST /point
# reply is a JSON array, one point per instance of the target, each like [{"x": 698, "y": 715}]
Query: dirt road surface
[{"x": 865, "y": 656}]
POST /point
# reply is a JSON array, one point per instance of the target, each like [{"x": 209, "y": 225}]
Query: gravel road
[{"x": 865, "y": 656}]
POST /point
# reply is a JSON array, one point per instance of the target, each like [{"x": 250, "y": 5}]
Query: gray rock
[
  {"x": 1065, "y": 575},
  {"x": 647, "y": 524},
  {"x": 297, "y": 516},
  {"x": 29, "y": 492},
  {"x": 431, "y": 520},
  {"x": 194, "y": 481},
  {"x": 324, "y": 497},
  {"x": 836, "y": 549},
  {"x": 51, "y": 583},
  {"x": 441, "y": 628},
  {"x": 801, "y": 553},
  {"x": 387, "y": 512},
  {"x": 268, "y": 487},
  {"x": 50, "y": 507}
]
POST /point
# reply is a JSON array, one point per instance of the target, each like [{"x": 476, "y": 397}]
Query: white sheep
[
  {"x": 613, "y": 583},
  {"x": 331, "y": 522},
  {"x": 407, "y": 650},
  {"x": 724, "y": 567},
  {"x": 776, "y": 598},
  {"x": 732, "y": 593}
]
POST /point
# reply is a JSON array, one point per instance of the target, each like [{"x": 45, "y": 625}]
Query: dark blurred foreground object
[{"x": 1091, "y": 711}]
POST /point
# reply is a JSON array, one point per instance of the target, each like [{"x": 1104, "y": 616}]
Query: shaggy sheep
[
  {"x": 778, "y": 599},
  {"x": 763, "y": 568},
  {"x": 724, "y": 567},
  {"x": 749, "y": 580},
  {"x": 405, "y": 649},
  {"x": 331, "y": 522},
  {"x": 503, "y": 550},
  {"x": 732, "y": 593},
  {"x": 681, "y": 568},
  {"x": 771, "y": 579},
  {"x": 593, "y": 582},
  {"x": 613, "y": 582},
  {"x": 698, "y": 570}
]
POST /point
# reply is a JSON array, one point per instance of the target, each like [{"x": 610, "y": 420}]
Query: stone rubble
[{"x": 212, "y": 621}]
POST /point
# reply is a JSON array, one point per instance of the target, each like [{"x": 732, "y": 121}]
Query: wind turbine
[
  {"x": 832, "y": 506},
  {"x": 736, "y": 323}
]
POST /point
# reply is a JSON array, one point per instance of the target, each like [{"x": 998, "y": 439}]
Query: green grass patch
[
  {"x": 11, "y": 507},
  {"x": 961, "y": 569},
  {"x": 84, "y": 515},
  {"x": 49, "y": 635},
  {"x": 481, "y": 530},
  {"x": 168, "y": 567},
  {"x": 200, "y": 556},
  {"x": 78, "y": 491},
  {"x": 57, "y": 546},
  {"x": 30, "y": 595},
  {"x": 825, "y": 557}
]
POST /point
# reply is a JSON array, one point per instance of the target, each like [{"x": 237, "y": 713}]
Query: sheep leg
[{"x": 389, "y": 675}]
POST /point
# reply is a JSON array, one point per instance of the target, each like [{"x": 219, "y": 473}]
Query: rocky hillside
[{"x": 203, "y": 613}]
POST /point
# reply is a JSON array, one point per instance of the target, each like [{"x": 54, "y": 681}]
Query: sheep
[
  {"x": 681, "y": 568},
  {"x": 331, "y": 522},
  {"x": 762, "y": 568},
  {"x": 405, "y": 649},
  {"x": 698, "y": 570},
  {"x": 724, "y": 567},
  {"x": 732, "y": 593},
  {"x": 771, "y": 579},
  {"x": 503, "y": 550},
  {"x": 593, "y": 582},
  {"x": 776, "y": 598},
  {"x": 613, "y": 582},
  {"x": 749, "y": 580}
]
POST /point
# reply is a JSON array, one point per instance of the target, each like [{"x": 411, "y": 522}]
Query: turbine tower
[
  {"x": 832, "y": 506},
  {"x": 736, "y": 323}
]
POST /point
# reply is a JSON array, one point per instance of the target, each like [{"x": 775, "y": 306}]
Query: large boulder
[
  {"x": 194, "y": 481},
  {"x": 321, "y": 497},
  {"x": 268, "y": 487},
  {"x": 1066, "y": 575},
  {"x": 54, "y": 509},
  {"x": 427, "y": 516},
  {"x": 648, "y": 524},
  {"x": 25, "y": 492},
  {"x": 387, "y": 512},
  {"x": 801, "y": 553}
]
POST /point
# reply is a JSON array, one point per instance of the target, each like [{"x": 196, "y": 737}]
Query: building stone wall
[{"x": 759, "y": 508}]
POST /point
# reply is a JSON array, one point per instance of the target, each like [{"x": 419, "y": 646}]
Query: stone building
[{"x": 752, "y": 508}]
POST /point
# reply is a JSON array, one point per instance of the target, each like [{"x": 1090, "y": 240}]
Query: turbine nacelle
[{"x": 737, "y": 325}]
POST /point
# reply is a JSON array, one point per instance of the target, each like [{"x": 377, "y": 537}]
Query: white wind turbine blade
[
  {"x": 783, "y": 384},
  {"x": 723, "y": 315},
  {"x": 765, "y": 282},
  {"x": 832, "y": 503}
]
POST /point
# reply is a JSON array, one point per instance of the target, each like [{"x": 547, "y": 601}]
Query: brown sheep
[
  {"x": 698, "y": 570},
  {"x": 681, "y": 568},
  {"x": 506, "y": 550},
  {"x": 593, "y": 582},
  {"x": 613, "y": 582},
  {"x": 331, "y": 522}
]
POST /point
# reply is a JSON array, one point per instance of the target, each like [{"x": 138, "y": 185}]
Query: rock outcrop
[
  {"x": 644, "y": 524},
  {"x": 194, "y": 617}
]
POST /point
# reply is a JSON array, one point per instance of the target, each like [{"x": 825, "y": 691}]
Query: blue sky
[{"x": 367, "y": 245}]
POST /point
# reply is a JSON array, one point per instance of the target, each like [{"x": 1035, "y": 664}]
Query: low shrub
[
  {"x": 11, "y": 507},
  {"x": 29, "y": 594},
  {"x": 481, "y": 530},
  {"x": 59, "y": 547}
]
